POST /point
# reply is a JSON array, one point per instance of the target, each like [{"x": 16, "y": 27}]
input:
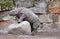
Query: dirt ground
[{"x": 9, "y": 36}]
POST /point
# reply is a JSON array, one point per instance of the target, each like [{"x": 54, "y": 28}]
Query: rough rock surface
[
  {"x": 45, "y": 18},
  {"x": 22, "y": 28},
  {"x": 8, "y": 18}
]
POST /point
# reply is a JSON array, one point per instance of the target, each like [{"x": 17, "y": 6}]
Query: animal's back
[{"x": 30, "y": 15}]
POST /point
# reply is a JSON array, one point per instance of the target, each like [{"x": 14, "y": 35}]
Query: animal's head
[
  {"x": 13, "y": 12},
  {"x": 16, "y": 11}
]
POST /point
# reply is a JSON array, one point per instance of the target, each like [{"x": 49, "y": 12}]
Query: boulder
[
  {"x": 40, "y": 7},
  {"x": 21, "y": 28},
  {"x": 45, "y": 19},
  {"x": 8, "y": 18},
  {"x": 58, "y": 25},
  {"x": 54, "y": 17},
  {"x": 49, "y": 27},
  {"x": 58, "y": 18}
]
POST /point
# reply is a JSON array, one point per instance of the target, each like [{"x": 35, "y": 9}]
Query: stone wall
[{"x": 24, "y": 3}]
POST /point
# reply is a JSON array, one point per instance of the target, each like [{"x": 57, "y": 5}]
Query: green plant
[
  {"x": 35, "y": 2},
  {"x": 3, "y": 5},
  {"x": 9, "y": 4},
  {"x": 6, "y": 4}
]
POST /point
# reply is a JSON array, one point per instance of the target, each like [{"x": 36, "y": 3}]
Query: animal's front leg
[
  {"x": 19, "y": 21},
  {"x": 22, "y": 17},
  {"x": 17, "y": 18}
]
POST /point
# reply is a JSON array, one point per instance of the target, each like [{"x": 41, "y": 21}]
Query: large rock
[
  {"x": 58, "y": 25},
  {"x": 54, "y": 17},
  {"x": 23, "y": 3},
  {"x": 45, "y": 18},
  {"x": 40, "y": 7},
  {"x": 58, "y": 18},
  {"x": 8, "y": 18},
  {"x": 21, "y": 28},
  {"x": 50, "y": 27}
]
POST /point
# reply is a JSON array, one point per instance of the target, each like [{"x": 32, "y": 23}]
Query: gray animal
[{"x": 24, "y": 14}]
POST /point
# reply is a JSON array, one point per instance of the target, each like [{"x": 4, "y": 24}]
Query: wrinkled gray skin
[{"x": 25, "y": 14}]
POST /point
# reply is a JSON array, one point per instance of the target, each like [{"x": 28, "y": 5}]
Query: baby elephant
[{"x": 24, "y": 14}]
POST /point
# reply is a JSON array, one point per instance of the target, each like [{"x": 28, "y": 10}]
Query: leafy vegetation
[
  {"x": 35, "y": 2},
  {"x": 6, "y": 4}
]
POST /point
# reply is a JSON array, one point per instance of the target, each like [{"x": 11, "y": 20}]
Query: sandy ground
[{"x": 9, "y": 36}]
